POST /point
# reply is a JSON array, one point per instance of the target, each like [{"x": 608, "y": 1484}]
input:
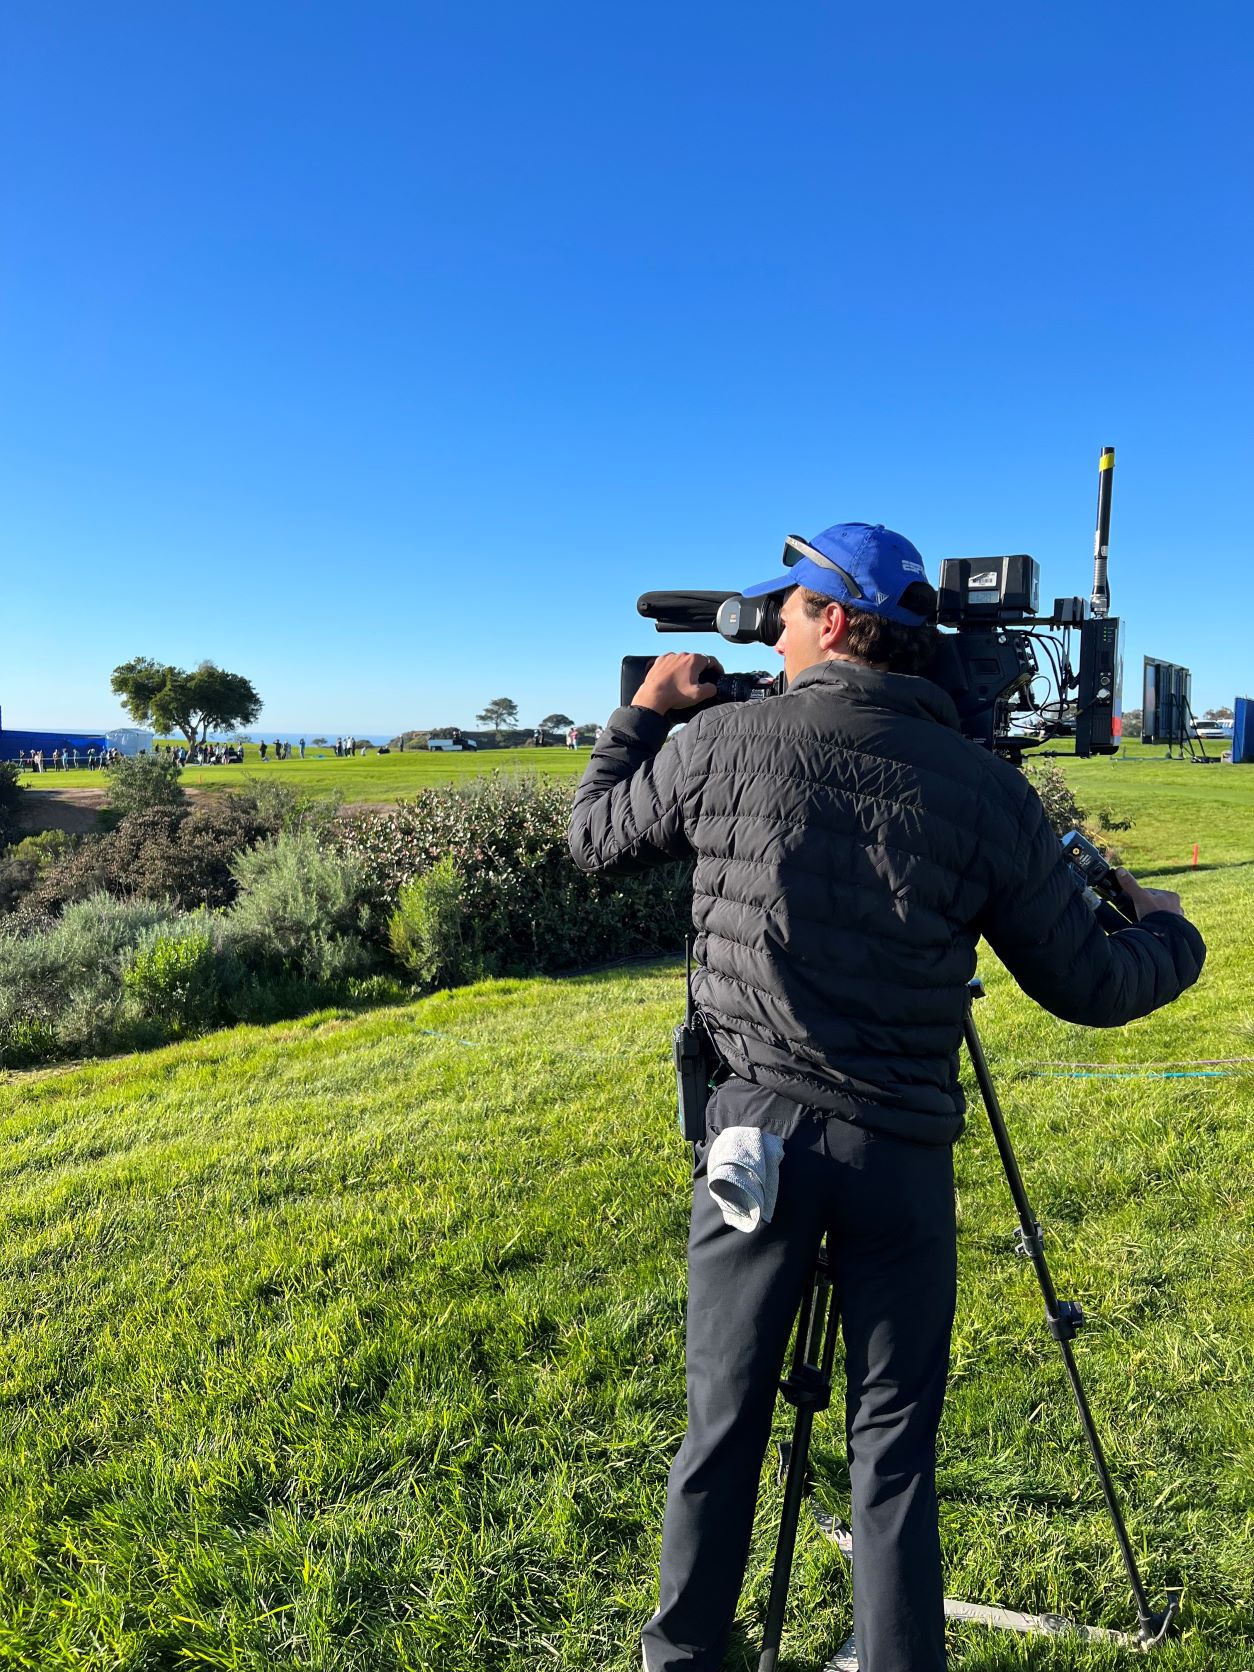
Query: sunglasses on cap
[{"x": 795, "y": 548}]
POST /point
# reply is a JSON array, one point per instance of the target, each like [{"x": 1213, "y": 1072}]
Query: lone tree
[
  {"x": 1218, "y": 716},
  {"x": 500, "y": 713},
  {"x": 556, "y": 722},
  {"x": 170, "y": 699}
]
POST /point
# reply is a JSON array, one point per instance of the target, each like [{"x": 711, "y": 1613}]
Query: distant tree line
[{"x": 499, "y": 718}]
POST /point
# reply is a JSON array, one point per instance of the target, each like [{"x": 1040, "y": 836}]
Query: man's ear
[{"x": 834, "y": 627}]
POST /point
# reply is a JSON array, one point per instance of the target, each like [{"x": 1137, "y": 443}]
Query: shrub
[
  {"x": 164, "y": 853},
  {"x": 138, "y": 782},
  {"x": 524, "y": 904},
  {"x": 60, "y": 989},
  {"x": 11, "y": 796},
  {"x": 171, "y": 977},
  {"x": 426, "y": 931},
  {"x": 300, "y": 909},
  {"x": 279, "y": 806},
  {"x": 1062, "y": 809},
  {"x": 22, "y": 865}
]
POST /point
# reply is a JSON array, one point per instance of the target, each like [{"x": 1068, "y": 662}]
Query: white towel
[{"x": 742, "y": 1172}]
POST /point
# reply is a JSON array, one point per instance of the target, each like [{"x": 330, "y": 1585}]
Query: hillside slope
[{"x": 356, "y": 1342}]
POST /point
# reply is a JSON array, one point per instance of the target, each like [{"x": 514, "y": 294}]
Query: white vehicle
[
  {"x": 451, "y": 745},
  {"x": 1213, "y": 732}
]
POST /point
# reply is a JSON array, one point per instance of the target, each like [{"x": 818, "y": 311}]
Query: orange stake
[{"x": 1195, "y": 856}]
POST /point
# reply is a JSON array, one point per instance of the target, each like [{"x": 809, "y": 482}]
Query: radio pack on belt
[{"x": 695, "y": 1061}]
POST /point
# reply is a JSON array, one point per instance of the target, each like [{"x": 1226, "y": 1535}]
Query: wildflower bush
[{"x": 523, "y": 905}]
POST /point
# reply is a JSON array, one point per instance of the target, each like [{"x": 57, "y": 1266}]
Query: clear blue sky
[{"x": 385, "y": 352}]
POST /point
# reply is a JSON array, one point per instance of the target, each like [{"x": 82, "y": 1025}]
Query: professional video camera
[{"x": 987, "y": 659}]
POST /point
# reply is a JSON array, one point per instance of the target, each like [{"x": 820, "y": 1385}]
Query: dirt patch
[{"x": 74, "y": 810}]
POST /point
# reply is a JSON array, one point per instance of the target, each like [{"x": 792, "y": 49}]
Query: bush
[
  {"x": 27, "y": 861},
  {"x": 11, "y": 797},
  {"x": 426, "y": 931},
  {"x": 524, "y": 905},
  {"x": 162, "y": 853},
  {"x": 300, "y": 909},
  {"x": 1062, "y": 809},
  {"x": 279, "y": 806},
  {"x": 61, "y": 991},
  {"x": 171, "y": 977},
  {"x": 138, "y": 782}
]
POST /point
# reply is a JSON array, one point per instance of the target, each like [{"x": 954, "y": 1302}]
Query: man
[{"x": 851, "y": 849}]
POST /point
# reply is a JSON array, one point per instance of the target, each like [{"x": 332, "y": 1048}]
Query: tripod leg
[
  {"x": 809, "y": 1388},
  {"x": 795, "y": 1488},
  {"x": 1064, "y": 1319}
]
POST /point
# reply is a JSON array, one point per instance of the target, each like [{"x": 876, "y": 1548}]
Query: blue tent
[{"x": 11, "y": 742}]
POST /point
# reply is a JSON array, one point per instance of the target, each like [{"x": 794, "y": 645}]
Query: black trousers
[{"x": 887, "y": 1207}]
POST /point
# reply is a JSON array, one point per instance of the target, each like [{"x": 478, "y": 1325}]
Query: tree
[
  {"x": 556, "y": 722},
  {"x": 500, "y": 713},
  {"x": 1132, "y": 721},
  {"x": 1218, "y": 716},
  {"x": 170, "y": 699}
]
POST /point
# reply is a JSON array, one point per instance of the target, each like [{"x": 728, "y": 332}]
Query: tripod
[{"x": 808, "y": 1387}]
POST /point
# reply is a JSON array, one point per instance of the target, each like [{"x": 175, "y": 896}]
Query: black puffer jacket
[{"x": 851, "y": 848}]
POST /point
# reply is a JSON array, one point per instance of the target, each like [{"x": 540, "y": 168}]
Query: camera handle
[{"x": 808, "y": 1387}]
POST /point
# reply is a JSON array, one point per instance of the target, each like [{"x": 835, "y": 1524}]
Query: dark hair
[{"x": 873, "y": 639}]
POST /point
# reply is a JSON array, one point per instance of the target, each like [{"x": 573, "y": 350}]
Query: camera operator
[{"x": 851, "y": 848}]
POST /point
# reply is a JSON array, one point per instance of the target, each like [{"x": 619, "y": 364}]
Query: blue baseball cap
[{"x": 867, "y": 566}]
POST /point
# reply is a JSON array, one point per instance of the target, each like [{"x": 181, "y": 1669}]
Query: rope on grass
[{"x": 1127, "y": 1074}]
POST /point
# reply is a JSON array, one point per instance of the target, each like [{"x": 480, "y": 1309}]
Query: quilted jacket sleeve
[
  {"x": 627, "y": 812},
  {"x": 1040, "y": 927}
]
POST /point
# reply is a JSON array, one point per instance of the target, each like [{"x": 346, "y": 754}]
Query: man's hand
[
  {"x": 674, "y": 682},
  {"x": 1145, "y": 900}
]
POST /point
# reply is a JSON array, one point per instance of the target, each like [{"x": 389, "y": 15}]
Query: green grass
[
  {"x": 371, "y": 777},
  {"x": 356, "y": 1342}
]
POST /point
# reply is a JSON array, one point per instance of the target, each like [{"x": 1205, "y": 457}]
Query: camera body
[{"x": 1018, "y": 678}]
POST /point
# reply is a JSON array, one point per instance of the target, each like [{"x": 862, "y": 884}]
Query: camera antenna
[{"x": 1100, "y": 601}]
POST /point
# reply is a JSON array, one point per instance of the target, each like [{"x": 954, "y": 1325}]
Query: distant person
[
  {"x": 572, "y": 738},
  {"x": 302, "y": 748},
  {"x": 262, "y": 749}
]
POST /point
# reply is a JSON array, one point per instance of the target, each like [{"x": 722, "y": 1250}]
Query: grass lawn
[
  {"x": 370, "y": 777},
  {"x": 1177, "y": 786},
  {"x": 356, "y": 1342}
]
